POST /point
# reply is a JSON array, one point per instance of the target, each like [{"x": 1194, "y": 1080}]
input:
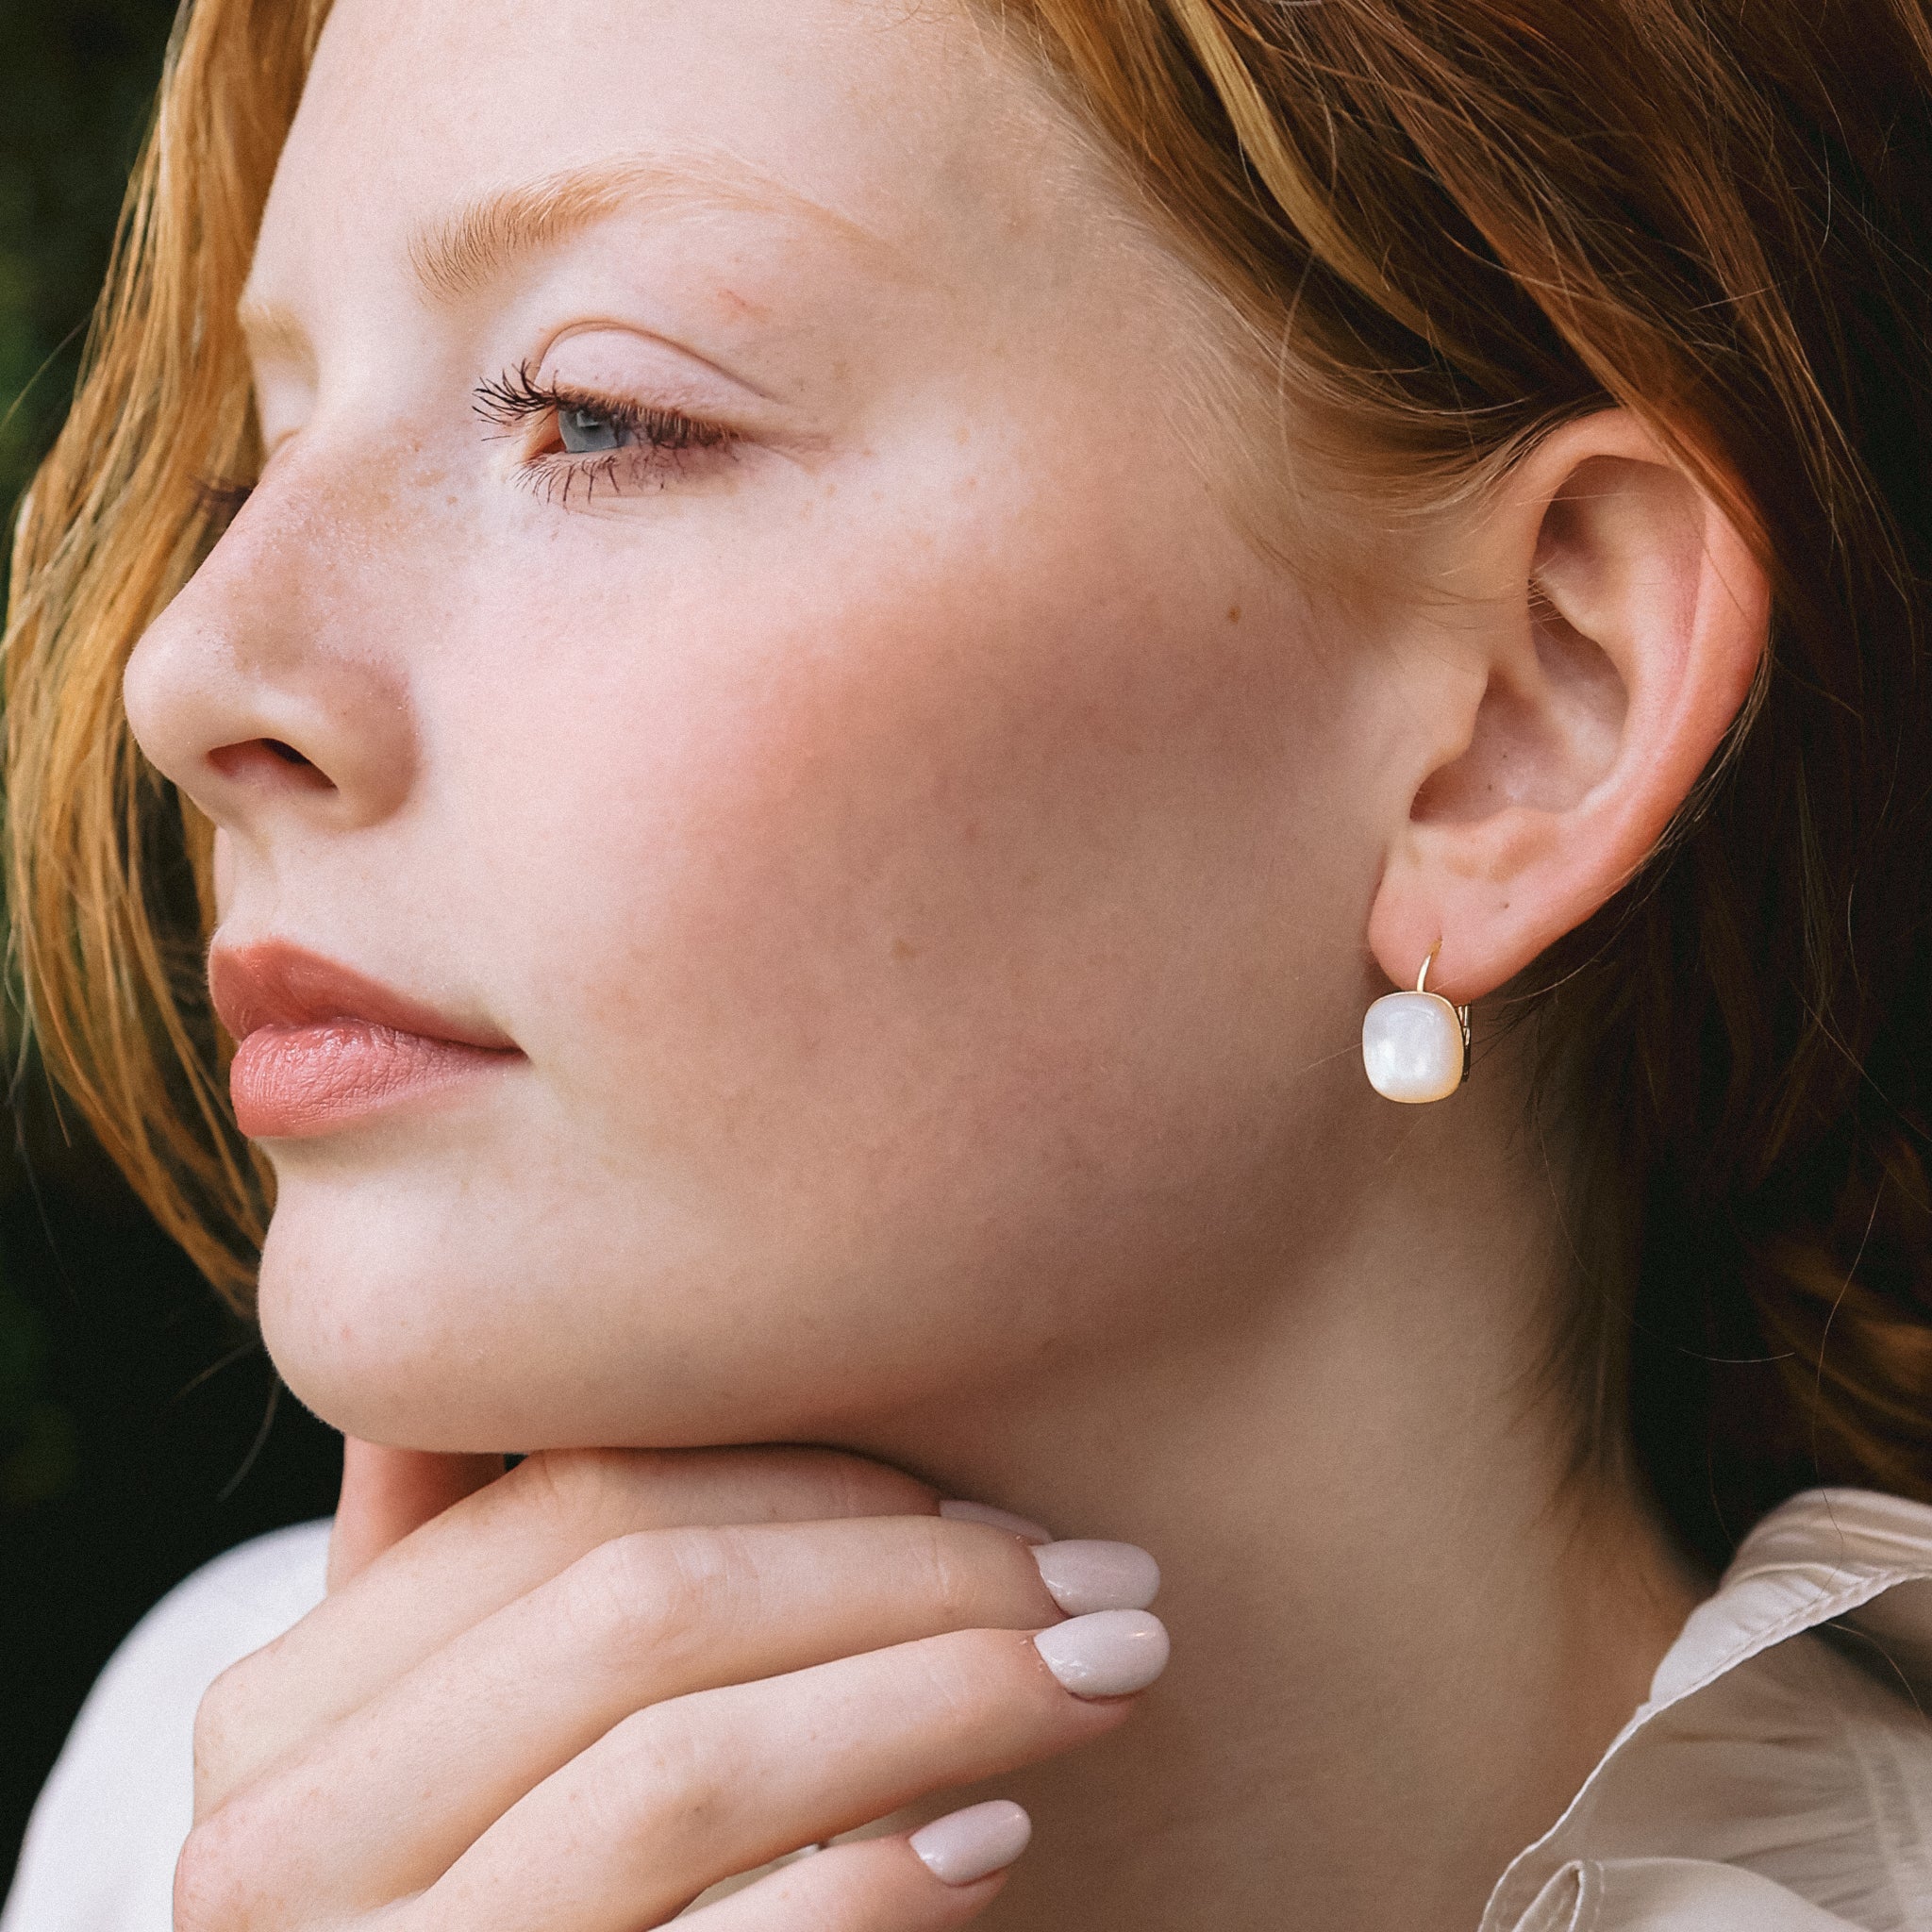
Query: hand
[{"x": 581, "y": 1695}]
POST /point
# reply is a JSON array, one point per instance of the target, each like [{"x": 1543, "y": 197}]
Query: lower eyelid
[{"x": 573, "y": 480}]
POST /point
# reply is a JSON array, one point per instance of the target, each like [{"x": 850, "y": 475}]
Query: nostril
[{"x": 269, "y": 760}]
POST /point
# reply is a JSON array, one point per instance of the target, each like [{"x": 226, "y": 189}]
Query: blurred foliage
[
  {"x": 39, "y": 1456},
  {"x": 77, "y": 83}
]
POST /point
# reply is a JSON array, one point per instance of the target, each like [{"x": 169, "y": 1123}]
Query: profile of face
[{"x": 744, "y": 615}]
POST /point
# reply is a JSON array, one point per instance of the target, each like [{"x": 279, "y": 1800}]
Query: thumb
[{"x": 387, "y": 1492}]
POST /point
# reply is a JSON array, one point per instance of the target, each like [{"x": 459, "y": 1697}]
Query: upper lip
[{"x": 275, "y": 983}]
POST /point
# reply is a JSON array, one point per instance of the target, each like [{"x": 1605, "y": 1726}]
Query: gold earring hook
[{"x": 1422, "y": 985}]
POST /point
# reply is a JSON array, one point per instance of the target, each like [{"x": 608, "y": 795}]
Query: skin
[{"x": 934, "y": 868}]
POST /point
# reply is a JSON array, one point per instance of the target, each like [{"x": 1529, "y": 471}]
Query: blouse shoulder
[
  {"x": 100, "y": 1850},
  {"x": 1779, "y": 1777}
]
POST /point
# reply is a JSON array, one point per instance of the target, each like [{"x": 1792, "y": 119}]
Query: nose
[{"x": 270, "y": 691}]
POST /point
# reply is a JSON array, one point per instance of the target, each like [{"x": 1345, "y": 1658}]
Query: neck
[{"x": 1403, "y": 1632}]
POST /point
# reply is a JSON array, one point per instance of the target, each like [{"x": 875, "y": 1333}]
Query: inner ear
[{"x": 1551, "y": 718}]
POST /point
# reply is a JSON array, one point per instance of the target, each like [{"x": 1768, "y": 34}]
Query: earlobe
[{"x": 1617, "y": 623}]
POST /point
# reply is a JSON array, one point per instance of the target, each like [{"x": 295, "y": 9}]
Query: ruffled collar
[{"x": 1778, "y": 1778}]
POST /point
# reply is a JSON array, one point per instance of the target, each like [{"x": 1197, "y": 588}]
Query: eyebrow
[{"x": 459, "y": 252}]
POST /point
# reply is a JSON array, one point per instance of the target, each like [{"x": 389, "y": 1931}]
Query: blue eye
[
  {"x": 637, "y": 446},
  {"x": 580, "y": 429}
]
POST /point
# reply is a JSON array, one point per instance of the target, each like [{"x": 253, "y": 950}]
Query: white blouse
[{"x": 1778, "y": 1779}]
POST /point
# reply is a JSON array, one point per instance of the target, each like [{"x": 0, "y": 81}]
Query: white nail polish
[
  {"x": 1082, "y": 1574},
  {"x": 971, "y": 1844},
  {"x": 1109, "y": 1654}
]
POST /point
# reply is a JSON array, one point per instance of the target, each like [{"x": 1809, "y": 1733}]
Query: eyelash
[
  {"x": 660, "y": 438},
  {"x": 662, "y": 442}
]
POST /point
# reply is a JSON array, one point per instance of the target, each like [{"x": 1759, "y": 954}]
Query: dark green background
[{"x": 139, "y": 1429}]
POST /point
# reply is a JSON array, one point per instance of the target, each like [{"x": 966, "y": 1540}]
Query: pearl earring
[{"x": 1415, "y": 1045}]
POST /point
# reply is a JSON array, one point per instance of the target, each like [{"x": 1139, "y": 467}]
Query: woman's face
[{"x": 918, "y": 853}]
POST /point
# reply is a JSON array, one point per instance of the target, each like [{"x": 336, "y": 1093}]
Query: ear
[{"x": 1608, "y": 626}]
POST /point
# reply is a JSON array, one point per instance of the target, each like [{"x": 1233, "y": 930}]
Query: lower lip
[{"x": 290, "y": 1082}]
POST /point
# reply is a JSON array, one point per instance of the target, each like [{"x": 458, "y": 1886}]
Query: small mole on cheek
[
  {"x": 904, "y": 949},
  {"x": 1234, "y": 613}
]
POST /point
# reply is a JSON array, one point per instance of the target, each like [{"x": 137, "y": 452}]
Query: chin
[
  {"x": 365, "y": 1320},
  {"x": 397, "y": 1313}
]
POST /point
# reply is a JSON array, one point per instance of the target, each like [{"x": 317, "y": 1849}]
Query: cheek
[
  {"x": 923, "y": 954},
  {"x": 890, "y": 847}
]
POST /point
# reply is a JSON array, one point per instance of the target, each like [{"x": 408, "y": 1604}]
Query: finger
[
  {"x": 690, "y": 1792},
  {"x": 638, "y": 1621},
  {"x": 492, "y": 1548},
  {"x": 945, "y": 1875},
  {"x": 387, "y": 1492}
]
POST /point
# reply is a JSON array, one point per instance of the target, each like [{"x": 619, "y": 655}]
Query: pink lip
[{"x": 320, "y": 1045}]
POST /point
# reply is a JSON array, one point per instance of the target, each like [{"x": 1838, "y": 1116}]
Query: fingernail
[
  {"x": 1000, "y": 1519},
  {"x": 969, "y": 1844},
  {"x": 1083, "y": 1575},
  {"x": 1108, "y": 1654}
]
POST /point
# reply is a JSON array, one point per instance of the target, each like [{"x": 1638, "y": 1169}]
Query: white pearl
[{"x": 1412, "y": 1046}]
